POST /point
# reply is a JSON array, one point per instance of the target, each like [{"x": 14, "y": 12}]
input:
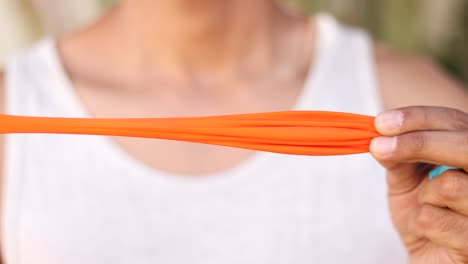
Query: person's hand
[{"x": 430, "y": 215}]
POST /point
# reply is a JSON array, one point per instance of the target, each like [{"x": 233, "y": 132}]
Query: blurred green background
[{"x": 438, "y": 28}]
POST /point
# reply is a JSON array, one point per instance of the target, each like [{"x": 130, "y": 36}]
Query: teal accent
[{"x": 439, "y": 170}]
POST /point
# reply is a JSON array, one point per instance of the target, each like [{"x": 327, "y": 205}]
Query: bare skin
[
  {"x": 431, "y": 216},
  {"x": 208, "y": 58},
  {"x": 195, "y": 72}
]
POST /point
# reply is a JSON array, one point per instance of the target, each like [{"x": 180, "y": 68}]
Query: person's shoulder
[{"x": 416, "y": 80}]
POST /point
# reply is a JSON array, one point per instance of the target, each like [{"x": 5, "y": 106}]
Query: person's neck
[{"x": 206, "y": 35}]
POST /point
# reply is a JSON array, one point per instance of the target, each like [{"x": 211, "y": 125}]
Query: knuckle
[
  {"x": 465, "y": 145},
  {"x": 423, "y": 196},
  {"x": 460, "y": 119},
  {"x": 425, "y": 218},
  {"x": 450, "y": 185},
  {"x": 464, "y": 152},
  {"x": 429, "y": 221},
  {"x": 417, "y": 142},
  {"x": 412, "y": 113}
]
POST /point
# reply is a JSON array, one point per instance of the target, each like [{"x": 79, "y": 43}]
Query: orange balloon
[{"x": 289, "y": 132}]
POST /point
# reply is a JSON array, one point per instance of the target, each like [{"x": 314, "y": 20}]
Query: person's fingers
[
  {"x": 450, "y": 189},
  {"x": 404, "y": 177},
  {"x": 442, "y": 226},
  {"x": 435, "y": 147},
  {"x": 419, "y": 118}
]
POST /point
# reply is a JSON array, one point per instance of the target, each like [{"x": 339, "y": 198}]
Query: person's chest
[{"x": 181, "y": 157}]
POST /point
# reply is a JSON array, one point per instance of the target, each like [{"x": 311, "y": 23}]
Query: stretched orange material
[{"x": 290, "y": 132}]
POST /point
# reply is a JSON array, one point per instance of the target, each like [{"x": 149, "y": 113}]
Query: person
[{"x": 91, "y": 199}]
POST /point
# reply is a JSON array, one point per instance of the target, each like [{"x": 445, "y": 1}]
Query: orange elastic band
[{"x": 290, "y": 132}]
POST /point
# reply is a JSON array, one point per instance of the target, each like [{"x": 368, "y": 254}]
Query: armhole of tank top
[
  {"x": 326, "y": 26},
  {"x": 360, "y": 43},
  {"x": 369, "y": 73},
  {"x": 10, "y": 185}
]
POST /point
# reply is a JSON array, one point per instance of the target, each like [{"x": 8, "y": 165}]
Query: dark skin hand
[{"x": 430, "y": 215}]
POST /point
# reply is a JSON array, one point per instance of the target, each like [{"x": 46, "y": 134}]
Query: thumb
[{"x": 402, "y": 177}]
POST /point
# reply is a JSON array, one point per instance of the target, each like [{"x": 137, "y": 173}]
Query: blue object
[{"x": 439, "y": 170}]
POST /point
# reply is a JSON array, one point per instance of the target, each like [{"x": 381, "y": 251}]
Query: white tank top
[{"x": 81, "y": 199}]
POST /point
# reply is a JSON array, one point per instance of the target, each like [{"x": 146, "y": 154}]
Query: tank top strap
[
  {"x": 37, "y": 83},
  {"x": 344, "y": 76}
]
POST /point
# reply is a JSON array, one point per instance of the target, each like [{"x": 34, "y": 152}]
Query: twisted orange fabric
[{"x": 290, "y": 132}]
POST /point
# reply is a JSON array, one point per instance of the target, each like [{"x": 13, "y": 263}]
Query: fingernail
[
  {"x": 383, "y": 145},
  {"x": 389, "y": 121}
]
